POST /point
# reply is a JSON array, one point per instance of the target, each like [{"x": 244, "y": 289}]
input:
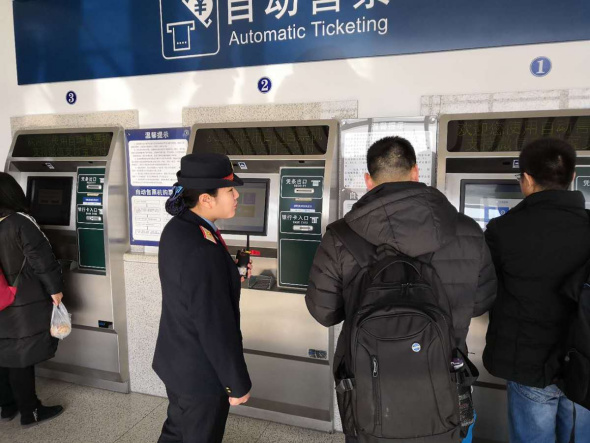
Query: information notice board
[
  {"x": 153, "y": 159},
  {"x": 357, "y": 136}
]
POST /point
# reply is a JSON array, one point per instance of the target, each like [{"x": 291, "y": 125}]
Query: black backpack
[
  {"x": 393, "y": 365},
  {"x": 574, "y": 379}
]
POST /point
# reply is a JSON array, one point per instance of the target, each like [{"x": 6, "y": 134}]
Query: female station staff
[{"x": 199, "y": 354}]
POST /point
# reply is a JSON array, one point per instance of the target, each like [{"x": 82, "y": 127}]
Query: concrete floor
[{"x": 97, "y": 416}]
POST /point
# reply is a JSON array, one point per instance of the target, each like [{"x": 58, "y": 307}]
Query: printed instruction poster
[{"x": 153, "y": 159}]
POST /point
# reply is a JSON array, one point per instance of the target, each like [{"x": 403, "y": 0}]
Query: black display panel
[
  {"x": 83, "y": 144},
  {"x": 50, "y": 199},
  {"x": 512, "y": 134},
  {"x": 283, "y": 140},
  {"x": 252, "y": 213}
]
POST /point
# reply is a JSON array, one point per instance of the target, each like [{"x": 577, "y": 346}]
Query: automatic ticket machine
[
  {"x": 75, "y": 182},
  {"x": 288, "y": 198},
  {"x": 477, "y": 170}
]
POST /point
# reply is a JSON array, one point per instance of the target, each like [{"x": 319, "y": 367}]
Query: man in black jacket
[
  {"x": 535, "y": 247},
  {"x": 416, "y": 220}
]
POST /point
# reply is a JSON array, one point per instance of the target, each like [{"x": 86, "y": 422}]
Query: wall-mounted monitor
[
  {"x": 67, "y": 144},
  {"x": 253, "y": 141},
  {"x": 50, "y": 199},
  {"x": 511, "y": 134},
  {"x": 252, "y": 213}
]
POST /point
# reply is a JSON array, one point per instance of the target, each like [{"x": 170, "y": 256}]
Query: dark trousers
[
  {"x": 17, "y": 387},
  {"x": 195, "y": 419},
  {"x": 348, "y": 439}
]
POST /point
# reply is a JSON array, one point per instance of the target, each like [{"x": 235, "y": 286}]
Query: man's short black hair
[
  {"x": 390, "y": 156},
  {"x": 551, "y": 162}
]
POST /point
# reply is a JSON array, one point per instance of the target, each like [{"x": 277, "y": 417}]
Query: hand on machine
[{"x": 243, "y": 260}]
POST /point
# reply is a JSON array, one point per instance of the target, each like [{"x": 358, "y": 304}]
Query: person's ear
[
  {"x": 528, "y": 181},
  {"x": 206, "y": 201},
  {"x": 415, "y": 174},
  {"x": 369, "y": 181}
]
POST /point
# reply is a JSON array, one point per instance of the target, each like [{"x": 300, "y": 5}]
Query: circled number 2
[{"x": 264, "y": 85}]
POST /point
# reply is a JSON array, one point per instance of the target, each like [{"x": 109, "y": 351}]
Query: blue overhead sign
[{"x": 63, "y": 40}]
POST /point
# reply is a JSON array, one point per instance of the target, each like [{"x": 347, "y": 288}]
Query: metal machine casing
[
  {"x": 292, "y": 382},
  {"x": 455, "y": 171},
  {"x": 96, "y": 352}
]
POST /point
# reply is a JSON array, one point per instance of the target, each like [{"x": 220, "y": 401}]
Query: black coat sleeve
[
  {"x": 324, "y": 297},
  {"x": 215, "y": 318},
  {"x": 40, "y": 257},
  {"x": 487, "y": 283},
  {"x": 493, "y": 242}
]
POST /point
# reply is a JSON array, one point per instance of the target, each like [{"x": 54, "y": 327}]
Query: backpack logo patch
[{"x": 416, "y": 347}]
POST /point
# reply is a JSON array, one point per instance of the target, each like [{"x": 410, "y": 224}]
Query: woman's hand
[
  {"x": 57, "y": 298},
  {"x": 239, "y": 401},
  {"x": 250, "y": 267}
]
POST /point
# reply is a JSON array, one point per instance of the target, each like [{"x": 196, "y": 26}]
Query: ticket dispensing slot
[
  {"x": 288, "y": 198},
  {"x": 304, "y": 191}
]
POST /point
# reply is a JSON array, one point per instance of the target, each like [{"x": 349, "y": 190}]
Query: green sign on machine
[
  {"x": 89, "y": 214},
  {"x": 302, "y": 187},
  {"x": 89, "y": 219},
  {"x": 300, "y": 222},
  {"x": 582, "y": 182}
]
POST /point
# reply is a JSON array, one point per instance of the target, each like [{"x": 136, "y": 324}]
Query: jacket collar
[
  {"x": 413, "y": 218},
  {"x": 385, "y": 189},
  {"x": 190, "y": 217},
  {"x": 563, "y": 199}
]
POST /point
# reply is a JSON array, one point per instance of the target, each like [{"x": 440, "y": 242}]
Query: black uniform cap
[{"x": 207, "y": 171}]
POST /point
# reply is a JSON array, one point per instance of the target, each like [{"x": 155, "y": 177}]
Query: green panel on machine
[
  {"x": 300, "y": 233},
  {"x": 89, "y": 219}
]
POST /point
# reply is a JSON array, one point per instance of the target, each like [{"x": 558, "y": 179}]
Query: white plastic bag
[{"x": 61, "y": 322}]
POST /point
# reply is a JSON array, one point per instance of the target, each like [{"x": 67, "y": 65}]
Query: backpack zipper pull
[{"x": 375, "y": 367}]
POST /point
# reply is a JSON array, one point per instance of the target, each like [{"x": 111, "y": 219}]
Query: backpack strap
[
  {"x": 360, "y": 249},
  {"x": 573, "y": 433}
]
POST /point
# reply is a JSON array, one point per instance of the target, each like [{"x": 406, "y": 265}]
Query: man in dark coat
[
  {"x": 535, "y": 247},
  {"x": 416, "y": 220},
  {"x": 27, "y": 261},
  {"x": 199, "y": 354}
]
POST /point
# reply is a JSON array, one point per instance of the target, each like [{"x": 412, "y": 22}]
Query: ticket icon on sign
[{"x": 189, "y": 28}]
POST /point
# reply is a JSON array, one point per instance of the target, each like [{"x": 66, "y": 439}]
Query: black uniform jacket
[
  {"x": 416, "y": 220},
  {"x": 535, "y": 247},
  {"x": 24, "y": 326},
  {"x": 199, "y": 348}
]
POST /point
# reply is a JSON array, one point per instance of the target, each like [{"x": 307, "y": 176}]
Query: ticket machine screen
[
  {"x": 485, "y": 200},
  {"x": 252, "y": 212},
  {"x": 50, "y": 199}
]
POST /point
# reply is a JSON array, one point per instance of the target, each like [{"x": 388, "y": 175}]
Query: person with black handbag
[{"x": 28, "y": 263}]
